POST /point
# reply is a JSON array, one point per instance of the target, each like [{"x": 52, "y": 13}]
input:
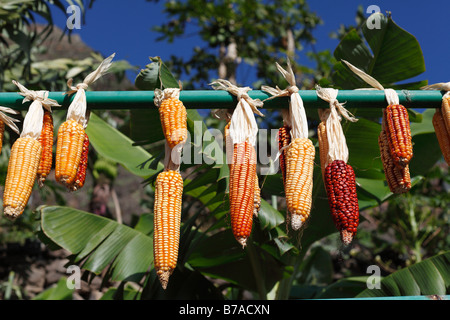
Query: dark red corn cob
[
  {"x": 284, "y": 139},
  {"x": 341, "y": 190},
  {"x": 82, "y": 167}
]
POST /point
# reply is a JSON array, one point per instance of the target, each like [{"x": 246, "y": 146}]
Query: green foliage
[
  {"x": 95, "y": 242},
  {"x": 429, "y": 277},
  {"x": 394, "y": 55},
  {"x": 19, "y": 34},
  {"x": 58, "y": 291}
]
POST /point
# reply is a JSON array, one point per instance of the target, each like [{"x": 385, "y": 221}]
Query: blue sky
[{"x": 124, "y": 27}]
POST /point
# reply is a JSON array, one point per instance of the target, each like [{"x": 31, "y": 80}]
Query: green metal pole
[{"x": 214, "y": 99}]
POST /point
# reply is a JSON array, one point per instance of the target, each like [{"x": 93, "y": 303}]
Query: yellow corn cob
[
  {"x": 323, "y": 147},
  {"x": 2, "y": 133},
  {"x": 396, "y": 124},
  {"x": 398, "y": 179},
  {"x": 69, "y": 146},
  {"x": 442, "y": 135},
  {"x": 299, "y": 180},
  {"x": 242, "y": 191},
  {"x": 167, "y": 219},
  {"x": 46, "y": 140},
  {"x": 445, "y": 110},
  {"x": 173, "y": 120},
  {"x": 22, "y": 169}
]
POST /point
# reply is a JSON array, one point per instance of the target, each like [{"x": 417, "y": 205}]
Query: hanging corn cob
[
  {"x": 442, "y": 134},
  {"x": 25, "y": 154},
  {"x": 445, "y": 109},
  {"x": 229, "y": 151},
  {"x": 46, "y": 140},
  {"x": 339, "y": 176},
  {"x": 7, "y": 120},
  {"x": 396, "y": 169},
  {"x": 242, "y": 190},
  {"x": 71, "y": 135},
  {"x": 398, "y": 179},
  {"x": 341, "y": 191},
  {"x": 82, "y": 167},
  {"x": 169, "y": 184},
  {"x": 296, "y": 152},
  {"x": 243, "y": 187},
  {"x": 395, "y": 139},
  {"x": 441, "y": 119},
  {"x": 167, "y": 219},
  {"x": 173, "y": 115},
  {"x": 398, "y": 134}
]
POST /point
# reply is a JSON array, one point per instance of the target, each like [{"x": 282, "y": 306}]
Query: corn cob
[
  {"x": 173, "y": 120},
  {"x": 299, "y": 173},
  {"x": 442, "y": 135},
  {"x": 323, "y": 147},
  {"x": 82, "y": 167},
  {"x": 445, "y": 110},
  {"x": 398, "y": 132},
  {"x": 22, "y": 170},
  {"x": 46, "y": 140},
  {"x": 69, "y": 146},
  {"x": 242, "y": 191},
  {"x": 342, "y": 198},
  {"x": 398, "y": 179},
  {"x": 167, "y": 220},
  {"x": 229, "y": 152},
  {"x": 284, "y": 139}
]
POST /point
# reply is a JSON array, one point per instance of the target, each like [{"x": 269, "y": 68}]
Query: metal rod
[{"x": 216, "y": 99}]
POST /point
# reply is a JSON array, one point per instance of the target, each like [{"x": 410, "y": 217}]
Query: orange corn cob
[
  {"x": 398, "y": 179},
  {"x": 299, "y": 180},
  {"x": 46, "y": 140},
  {"x": 242, "y": 191},
  {"x": 398, "y": 133},
  {"x": 445, "y": 110},
  {"x": 323, "y": 147},
  {"x": 342, "y": 198},
  {"x": 229, "y": 152},
  {"x": 22, "y": 170},
  {"x": 167, "y": 220},
  {"x": 284, "y": 139},
  {"x": 442, "y": 135},
  {"x": 173, "y": 120},
  {"x": 82, "y": 167},
  {"x": 69, "y": 147}
]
